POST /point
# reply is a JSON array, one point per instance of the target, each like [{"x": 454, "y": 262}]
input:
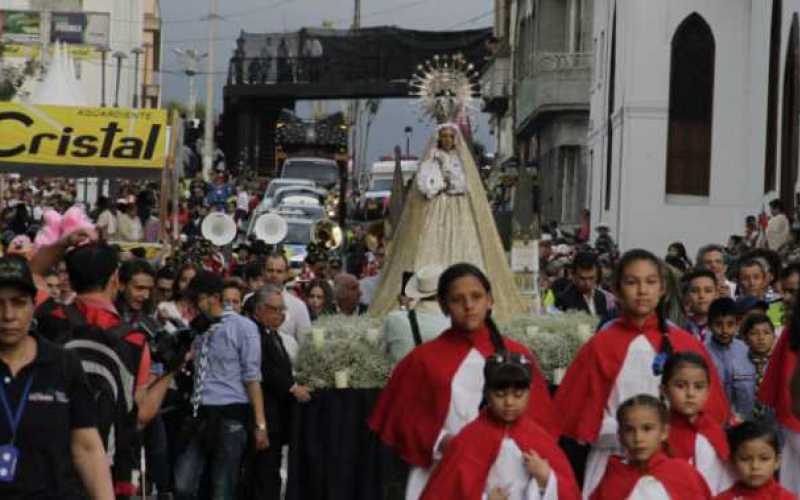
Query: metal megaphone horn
[
  {"x": 271, "y": 228},
  {"x": 219, "y": 228}
]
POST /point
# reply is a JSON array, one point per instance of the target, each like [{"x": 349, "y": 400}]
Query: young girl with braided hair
[
  {"x": 437, "y": 388},
  {"x": 503, "y": 454},
  {"x": 624, "y": 359}
]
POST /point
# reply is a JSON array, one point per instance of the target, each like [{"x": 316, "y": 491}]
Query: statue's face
[{"x": 447, "y": 139}]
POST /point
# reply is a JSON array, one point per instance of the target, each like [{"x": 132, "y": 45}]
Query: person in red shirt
[
  {"x": 756, "y": 459},
  {"x": 93, "y": 275}
]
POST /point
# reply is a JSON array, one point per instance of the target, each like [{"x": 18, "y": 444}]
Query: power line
[
  {"x": 472, "y": 19},
  {"x": 233, "y": 14},
  {"x": 384, "y": 11}
]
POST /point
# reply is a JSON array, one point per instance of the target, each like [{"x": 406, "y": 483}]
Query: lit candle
[
  {"x": 342, "y": 379},
  {"x": 318, "y": 337},
  {"x": 373, "y": 334},
  {"x": 558, "y": 375}
]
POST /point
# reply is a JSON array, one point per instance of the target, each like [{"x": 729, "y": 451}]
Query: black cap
[
  {"x": 14, "y": 272},
  {"x": 204, "y": 282}
]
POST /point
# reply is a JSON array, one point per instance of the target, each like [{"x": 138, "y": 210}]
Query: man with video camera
[
  {"x": 226, "y": 396},
  {"x": 114, "y": 354}
]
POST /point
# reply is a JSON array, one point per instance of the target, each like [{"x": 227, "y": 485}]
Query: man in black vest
[
  {"x": 54, "y": 434},
  {"x": 582, "y": 294},
  {"x": 280, "y": 392}
]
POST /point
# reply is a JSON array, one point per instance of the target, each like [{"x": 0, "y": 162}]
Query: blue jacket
[{"x": 736, "y": 372}]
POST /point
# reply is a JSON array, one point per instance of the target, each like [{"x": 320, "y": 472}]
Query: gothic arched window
[
  {"x": 771, "y": 151},
  {"x": 691, "y": 106},
  {"x": 790, "y": 149}
]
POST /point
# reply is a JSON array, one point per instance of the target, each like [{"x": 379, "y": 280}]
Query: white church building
[{"x": 694, "y": 116}]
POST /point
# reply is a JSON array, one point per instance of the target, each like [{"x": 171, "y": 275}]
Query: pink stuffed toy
[{"x": 56, "y": 227}]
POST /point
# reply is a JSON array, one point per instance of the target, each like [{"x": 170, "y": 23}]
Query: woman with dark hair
[
  {"x": 437, "y": 388},
  {"x": 319, "y": 299},
  {"x": 21, "y": 220},
  {"x": 624, "y": 359},
  {"x": 677, "y": 256},
  {"x": 186, "y": 272},
  {"x": 776, "y": 391}
]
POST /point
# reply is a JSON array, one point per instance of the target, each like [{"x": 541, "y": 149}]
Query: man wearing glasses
[{"x": 279, "y": 389}]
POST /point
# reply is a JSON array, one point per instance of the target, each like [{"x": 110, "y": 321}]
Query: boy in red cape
[
  {"x": 756, "y": 459},
  {"x": 503, "y": 454}
]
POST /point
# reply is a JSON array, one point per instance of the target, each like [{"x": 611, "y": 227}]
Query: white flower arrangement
[
  {"x": 354, "y": 345},
  {"x": 351, "y": 344},
  {"x": 554, "y": 339}
]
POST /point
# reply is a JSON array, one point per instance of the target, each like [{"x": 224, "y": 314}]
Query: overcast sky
[{"x": 183, "y": 28}]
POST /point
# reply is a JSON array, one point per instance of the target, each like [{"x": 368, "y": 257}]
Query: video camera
[{"x": 168, "y": 346}]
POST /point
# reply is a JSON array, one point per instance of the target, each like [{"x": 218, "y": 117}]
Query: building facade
[
  {"x": 694, "y": 116},
  {"x": 552, "y": 67},
  {"x": 131, "y": 26}
]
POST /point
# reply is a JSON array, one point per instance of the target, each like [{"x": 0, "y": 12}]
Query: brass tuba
[
  {"x": 376, "y": 235},
  {"x": 327, "y": 234}
]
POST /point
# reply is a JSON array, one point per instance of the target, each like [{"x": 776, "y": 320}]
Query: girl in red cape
[
  {"x": 503, "y": 454},
  {"x": 646, "y": 472},
  {"x": 775, "y": 392},
  {"x": 756, "y": 459},
  {"x": 692, "y": 435},
  {"x": 437, "y": 388},
  {"x": 624, "y": 359}
]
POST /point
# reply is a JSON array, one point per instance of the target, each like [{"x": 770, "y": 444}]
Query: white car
[{"x": 276, "y": 184}]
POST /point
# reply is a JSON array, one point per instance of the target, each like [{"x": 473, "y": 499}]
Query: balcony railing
[
  {"x": 544, "y": 62},
  {"x": 496, "y": 79},
  {"x": 554, "y": 81}
]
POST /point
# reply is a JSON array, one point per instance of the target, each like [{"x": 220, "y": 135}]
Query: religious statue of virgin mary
[{"x": 446, "y": 218}]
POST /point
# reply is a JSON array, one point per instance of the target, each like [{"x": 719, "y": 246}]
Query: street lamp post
[
  {"x": 137, "y": 51},
  {"x": 119, "y": 56},
  {"x": 408, "y": 130},
  {"x": 191, "y": 58},
  {"x": 103, "y": 52}
]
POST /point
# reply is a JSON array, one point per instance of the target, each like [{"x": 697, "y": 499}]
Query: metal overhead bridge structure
[{"x": 270, "y": 72}]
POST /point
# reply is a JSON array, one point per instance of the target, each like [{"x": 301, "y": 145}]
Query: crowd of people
[{"x": 188, "y": 354}]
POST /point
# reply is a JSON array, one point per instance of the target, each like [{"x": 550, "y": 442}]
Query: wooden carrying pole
[{"x": 169, "y": 184}]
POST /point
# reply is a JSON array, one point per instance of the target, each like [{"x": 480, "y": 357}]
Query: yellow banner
[
  {"x": 18, "y": 51},
  {"x": 83, "y": 52},
  {"x": 82, "y": 136},
  {"x": 78, "y": 52}
]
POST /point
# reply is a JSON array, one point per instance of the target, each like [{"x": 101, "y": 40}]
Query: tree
[
  {"x": 181, "y": 108},
  {"x": 13, "y": 76}
]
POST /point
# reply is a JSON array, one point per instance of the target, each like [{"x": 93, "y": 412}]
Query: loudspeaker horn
[
  {"x": 219, "y": 228},
  {"x": 271, "y": 228}
]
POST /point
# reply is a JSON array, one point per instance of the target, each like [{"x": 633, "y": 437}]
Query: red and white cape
[
  {"x": 488, "y": 454},
  {"x": 436, "y": 390}
]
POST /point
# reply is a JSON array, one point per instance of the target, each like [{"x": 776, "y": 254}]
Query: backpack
[{"x": 110, "y": 364}]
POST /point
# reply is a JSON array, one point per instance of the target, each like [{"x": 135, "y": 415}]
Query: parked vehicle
[
  {"x": 323, "y": 171},
  {"x": 374, "y": 203}
]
